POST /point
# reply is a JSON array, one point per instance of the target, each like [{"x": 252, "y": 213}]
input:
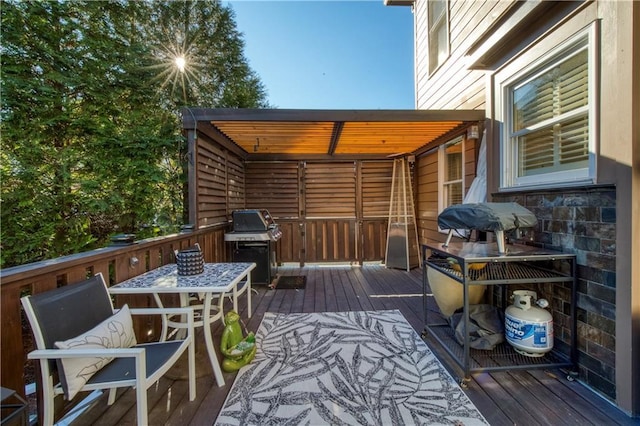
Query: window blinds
[{"x": 550, "y": 117}]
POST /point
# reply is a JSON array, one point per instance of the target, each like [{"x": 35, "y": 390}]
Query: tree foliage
[{"x": 91, "y": 142}]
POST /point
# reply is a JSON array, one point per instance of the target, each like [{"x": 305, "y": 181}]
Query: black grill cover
[{"x": 486, "y": 217}]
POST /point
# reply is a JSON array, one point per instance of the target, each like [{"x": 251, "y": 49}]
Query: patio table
[{"x": 218, "y": 279}]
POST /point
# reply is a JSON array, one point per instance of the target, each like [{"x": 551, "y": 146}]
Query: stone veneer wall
[{"x": 582, "y": 221}]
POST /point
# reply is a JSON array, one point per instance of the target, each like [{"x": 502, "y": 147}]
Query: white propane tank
[{"x": 529, "y": 329}]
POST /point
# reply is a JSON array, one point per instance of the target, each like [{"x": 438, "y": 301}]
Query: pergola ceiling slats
[{"x": 313, "y": 133}]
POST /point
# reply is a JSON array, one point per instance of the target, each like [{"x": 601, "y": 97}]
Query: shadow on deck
[{"x": 532, "y": 397}]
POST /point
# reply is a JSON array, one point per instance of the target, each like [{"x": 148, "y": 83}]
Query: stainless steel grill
[
  {"x": 253, "y": 237},
  {"x": 253, "y": 225}
]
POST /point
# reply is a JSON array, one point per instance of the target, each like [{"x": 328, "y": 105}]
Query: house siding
[
  {"x": 427, "y": 204},
  {"x": 598, "y": 222},
  {"x": 453, "y": 86}
]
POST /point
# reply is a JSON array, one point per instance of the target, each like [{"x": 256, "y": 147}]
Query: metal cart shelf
[{"x": 520, "y": 264}]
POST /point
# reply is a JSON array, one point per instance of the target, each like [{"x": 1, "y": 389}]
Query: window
[
  {"x": 438, "y": 25},
  {"x": 548, "y": 131},
  {"x": 452, "y": 173}
]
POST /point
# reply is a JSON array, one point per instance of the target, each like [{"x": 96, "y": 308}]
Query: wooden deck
[{"x": 532, "y": 397}]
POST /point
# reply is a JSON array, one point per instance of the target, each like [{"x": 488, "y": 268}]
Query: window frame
[
  {"x": 442, "y": 202},
  {"x": 585, "y": 39},
  {"x": 442, "y": 20}
]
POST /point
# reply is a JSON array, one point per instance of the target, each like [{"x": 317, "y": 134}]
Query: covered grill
[
  {"x": 254, "y": 236},
  {"x": 488, "y": 217}
]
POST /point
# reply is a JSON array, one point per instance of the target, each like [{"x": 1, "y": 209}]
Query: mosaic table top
[{"x": 217, "y": 277}]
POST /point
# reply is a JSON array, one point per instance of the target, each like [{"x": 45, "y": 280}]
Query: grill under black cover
[{"x": 486, "y": 217}]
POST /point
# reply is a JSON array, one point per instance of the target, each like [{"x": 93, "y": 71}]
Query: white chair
[{"x": 73, "y": 317}]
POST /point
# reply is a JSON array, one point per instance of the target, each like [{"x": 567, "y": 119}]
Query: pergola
[{"x": 273, "y": 134}]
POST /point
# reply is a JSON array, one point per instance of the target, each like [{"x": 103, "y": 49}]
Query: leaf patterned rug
[{"x": 344, "y": 368}]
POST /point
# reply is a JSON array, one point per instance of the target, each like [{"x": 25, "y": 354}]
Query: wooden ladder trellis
[{"x": 402, "y": 234}]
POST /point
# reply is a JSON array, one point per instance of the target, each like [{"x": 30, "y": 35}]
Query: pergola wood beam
[
  {"x": 256, "y": 114},
  {"x": 335, "y": 136}
]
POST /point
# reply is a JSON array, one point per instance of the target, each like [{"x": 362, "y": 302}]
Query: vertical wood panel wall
[
  {"x": 327, "y": 211},
  {"x": 273, "y": 186},
  {"x": 330, "y": 195},
  {"x": 376, "y": 188},
  {"x": 330, "y": 189},
  {"x": 375, "y": 185}
]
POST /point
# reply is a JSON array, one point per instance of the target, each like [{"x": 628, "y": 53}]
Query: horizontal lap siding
[
  {"x": 470, "y": 154},
  {"x": 427, "y": 205},
  {"x": 421, "y": 50},
  {"x": 427, "y": 196},
  {"x": 453, "y": 86}
]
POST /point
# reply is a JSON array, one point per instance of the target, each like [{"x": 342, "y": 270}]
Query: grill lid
[
  {"x": 486, "y": 217},
  {"x": 252, "y": 220}
]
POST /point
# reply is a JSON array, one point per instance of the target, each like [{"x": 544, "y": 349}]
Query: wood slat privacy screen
[
  {"x": 330, "y": 189},
  {"x": 212, "y": 185},
  {"x": 376, "y": 188},
  {"x": 273, "y": 186},
  {"x": 236, "y": 183}
]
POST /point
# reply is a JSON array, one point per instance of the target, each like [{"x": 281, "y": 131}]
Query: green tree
[
  {"x": 216, "y": 73},
  {"x": 90, "y": 134}
]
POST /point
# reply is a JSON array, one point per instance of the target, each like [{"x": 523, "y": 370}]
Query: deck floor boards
[{"x": 504, "y": 397}]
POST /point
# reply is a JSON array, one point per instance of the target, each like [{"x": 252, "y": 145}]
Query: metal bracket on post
[
  {"x": 446, "y": 243},
  {"x": 500, "y": 241}
]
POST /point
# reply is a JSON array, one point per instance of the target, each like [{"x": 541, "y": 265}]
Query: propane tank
[{"x": 528, "y": 328}]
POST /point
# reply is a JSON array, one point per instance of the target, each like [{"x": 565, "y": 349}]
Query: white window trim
[
  {"x": 448, "y": 42},
  {"x": 441, "y": 174},
  {"x": 508, "y": 160}
]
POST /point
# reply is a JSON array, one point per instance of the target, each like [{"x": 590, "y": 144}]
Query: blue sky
[{"x": 336, "y": 54}]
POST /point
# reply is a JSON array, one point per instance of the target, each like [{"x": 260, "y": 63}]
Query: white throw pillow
[{"x": 114, "y": 332}]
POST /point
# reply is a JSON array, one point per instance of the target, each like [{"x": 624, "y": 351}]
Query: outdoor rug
[
  {"x": 287, "y": 282},
  {"x": 344, "y": 368}
]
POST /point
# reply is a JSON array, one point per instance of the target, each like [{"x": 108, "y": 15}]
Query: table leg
[
  {"x": 248, "y": 294},
  {"x": 211, "y": 350},
  {"x": 165, "y": 320},
  {"x": 235, "y": 297},
  {"x": 184, "y": 302}
]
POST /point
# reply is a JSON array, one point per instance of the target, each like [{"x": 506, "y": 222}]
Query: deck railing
[{"x": 116, "y": 263}]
